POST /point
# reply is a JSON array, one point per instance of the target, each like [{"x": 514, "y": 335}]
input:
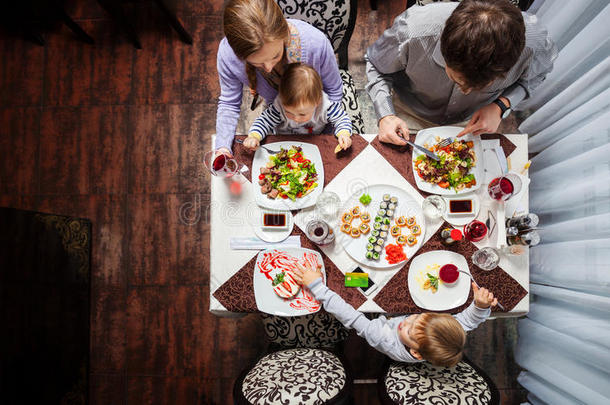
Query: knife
[{"x": 431, "y": 155}]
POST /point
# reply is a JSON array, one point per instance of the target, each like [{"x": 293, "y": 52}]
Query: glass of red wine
[
  {"x": 504, "y": 187},
  {"x": 475, "y": 231},
  {"x": 220, "y": 164}
]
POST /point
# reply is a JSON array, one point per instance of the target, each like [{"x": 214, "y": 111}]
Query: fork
[
  {"x": 477, "y": 284},
  {"x": 273, "y": 152},
  {"x": 444, "y": 142}
]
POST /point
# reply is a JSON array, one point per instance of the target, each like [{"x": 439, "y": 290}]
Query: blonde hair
[
  {"x": 300, "y": 84},
  {"x": 249, "y": 24},
  {"x": 441, "y": 339}
]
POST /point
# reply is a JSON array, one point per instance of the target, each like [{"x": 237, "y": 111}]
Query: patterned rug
[{"x": 44, "y": 308}]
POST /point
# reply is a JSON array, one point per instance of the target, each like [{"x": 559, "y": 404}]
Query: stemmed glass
[
  {"x": 504, "y": 187},
  {"x": 434, "y": 206},
  {"x": 486, "y": 258},
  {"x": 223, "y": 165}
]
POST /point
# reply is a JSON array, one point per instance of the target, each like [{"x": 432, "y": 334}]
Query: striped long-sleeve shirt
[{"x": 274, "y": 120}]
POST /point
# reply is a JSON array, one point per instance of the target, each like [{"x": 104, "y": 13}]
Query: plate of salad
[
  {"x": 290, "y": 179},
  {"x": 460, "y": 169}
]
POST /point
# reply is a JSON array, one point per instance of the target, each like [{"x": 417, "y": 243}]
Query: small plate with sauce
[
  {"x": 272, "y": 225},
  {"x": 462, "y": 208}
]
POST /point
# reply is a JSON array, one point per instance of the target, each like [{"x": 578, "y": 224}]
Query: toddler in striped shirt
[{"x": 301, "y": 107}]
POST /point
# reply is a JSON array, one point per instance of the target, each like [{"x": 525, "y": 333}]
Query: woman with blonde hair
[{"x": 259, "y": 41}]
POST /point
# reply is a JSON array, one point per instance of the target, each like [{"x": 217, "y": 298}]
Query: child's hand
[
  {"x": 251, "y": 143},
  {"x": 305, "y": 275},
  {"x": 483, "y": 298},
  {"x": 345, "y": 141}
]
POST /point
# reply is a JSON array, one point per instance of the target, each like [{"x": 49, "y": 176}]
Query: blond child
[
  {"x": 301, "y": 108},
  {"x": 437, "y": 338}
]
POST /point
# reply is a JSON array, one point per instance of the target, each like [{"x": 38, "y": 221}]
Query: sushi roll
[
  {"x": 377, "y": 226},
  {"x": 385, "y": 227},
  {"x": 381, "y": 212},
  {"x": 365, "y": 217},
  {"x": 378, "y": 249},
  {"x": 411, "y": 240},
  {"x": 401, "y": 221},
  {"x": 401, "y": 240},
  {"x": 364, "y": 228},
  {"x": 387, "y": 221},
  {"x": 391, "y": 206},
  {"x": 383, "y": 205},
  {"x": 375, "y": 233},
  {"x": 411, "y": 221},
  {"x": 415, "y": 230},
  {"x": 369, "y": 255},
  {"x": 347, "y": 218},
  {"x": 390, "y": 213},
  {"x": 375, "y": 256},
  {"x": 370, "y": 246},
  {"x": 386, "y": 198},
  {"x": 380, "y": 241},
  {"x": 356, "y": 211},
  {"x": 394, "y": 200},
  {"x": 383, "y": 234},
  {"x": 395, "y": 231},
  {"x": 347, "y": 228},
  {"x": 378, "y": 218},
  {"x": 372, "y": 239},
  {"x": 355, "y": 232}
]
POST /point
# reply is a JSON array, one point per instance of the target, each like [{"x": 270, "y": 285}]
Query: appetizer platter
[
  {"x": 381, "y": 226},
  {"x": 290, "y": 179},
  {"x": 460, "y": 169},
  {"x": 434, "y": 282},
  {"x": 275, "y": 288}
]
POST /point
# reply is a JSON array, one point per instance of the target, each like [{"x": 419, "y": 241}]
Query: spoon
[{"x": 475, "y": 282}]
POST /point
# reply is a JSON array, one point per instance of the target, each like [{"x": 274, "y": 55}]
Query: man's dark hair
[{"x": 482, "y": 40}]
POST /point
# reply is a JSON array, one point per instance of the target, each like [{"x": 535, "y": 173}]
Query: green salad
[{"x": 288, "y": 175}]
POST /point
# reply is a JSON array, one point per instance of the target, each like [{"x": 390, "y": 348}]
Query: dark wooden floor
[{"x": 117, "y": 135}]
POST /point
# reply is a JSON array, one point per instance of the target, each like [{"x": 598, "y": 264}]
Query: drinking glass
[
  {"x": 475, "y": 231},
  {"x": 486, "y": 258},
  {"x": 434, "y": 206},
  {"x": 220, "y": 164},
  {"x": 504, "y": 187},
  {"x": 327, "y": 205}
]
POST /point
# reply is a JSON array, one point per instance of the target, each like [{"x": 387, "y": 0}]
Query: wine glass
[
  {"x": 504, "y": 187},
  {"x": 220, "y": 164},
  {"x": 487, "y": 258},
  {"x": 434, "y": 206},
  {"x": 327, "y": 205},
  {"x": 475, "y": 231}
]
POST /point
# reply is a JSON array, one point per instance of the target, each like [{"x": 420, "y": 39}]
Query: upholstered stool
[{"x": 423, "y": 383}]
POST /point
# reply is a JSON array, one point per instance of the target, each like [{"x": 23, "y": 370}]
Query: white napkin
[{"x": 254, "y": 243}]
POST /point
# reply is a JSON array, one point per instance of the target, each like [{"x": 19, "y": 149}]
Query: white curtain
[{"x": 564, "y": 343}]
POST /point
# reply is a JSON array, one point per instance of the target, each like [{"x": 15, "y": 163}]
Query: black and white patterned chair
[
  {"x": 522, "y": 4},
  {"x": 336, "y": 19},
  {"x": 303, "y": 364},
  {"x": 423, "y": 383}
]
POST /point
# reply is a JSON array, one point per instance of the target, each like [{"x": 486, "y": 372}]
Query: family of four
[{"x": 467, "y": 64}]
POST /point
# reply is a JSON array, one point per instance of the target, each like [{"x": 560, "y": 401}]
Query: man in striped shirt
[{"x": 301, "y": 108}]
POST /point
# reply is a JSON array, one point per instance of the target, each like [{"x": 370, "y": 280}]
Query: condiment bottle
[
  {"x": 531, "y": 238},
  {"x": 450, "y": 236},
  {"x": 523, "y": 221},
  {"x": 319, "y": 232}
]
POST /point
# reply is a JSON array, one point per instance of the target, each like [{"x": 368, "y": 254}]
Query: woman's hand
[
  {"x": 304, "y": 275},
  {"x": 483, "y": 298},
  {"x": 485, "y": 120},
  {"x": 251, "y": 143},
  {"x": 389, "y": 128},
  {"x": 345, "y": 140},
  {"x": 223, "y": 151}
]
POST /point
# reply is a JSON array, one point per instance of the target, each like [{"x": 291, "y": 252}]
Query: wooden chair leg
[
  {"x": 174, "y": 22},
  {"x": 78, "y": 31},
  {"x": 116, "y": 11}
]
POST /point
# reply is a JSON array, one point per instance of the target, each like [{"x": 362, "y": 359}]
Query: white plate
[
  {"x": 447, "y": 297},
  {"x": 429, "y": 136},
  {"x": 268, "y": 301},
  {"x": 261, "y": 157},
  {"x": 272, "y": 236},
  {"x": 461, "y": 219},
  {"x": 407, "y": 206}
]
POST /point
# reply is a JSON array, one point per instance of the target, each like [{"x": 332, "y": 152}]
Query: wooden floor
[{"x": 117, "y": 135}]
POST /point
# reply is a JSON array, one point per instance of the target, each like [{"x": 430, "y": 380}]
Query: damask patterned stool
[{"x": 423, "y": 383}]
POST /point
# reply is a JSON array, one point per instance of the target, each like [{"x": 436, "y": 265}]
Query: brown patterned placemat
[
  {"x": 506, "y": 145},
  {"x": 333, "y": 164},
  {"x": 237, "y": 293},
  {"x": 395, "y": 296}
]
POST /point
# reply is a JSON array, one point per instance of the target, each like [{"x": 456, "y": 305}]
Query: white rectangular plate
[{"x": 261, "y": 157}]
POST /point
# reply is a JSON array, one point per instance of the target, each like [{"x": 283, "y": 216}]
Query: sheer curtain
[{"x": 564, "y": 343}]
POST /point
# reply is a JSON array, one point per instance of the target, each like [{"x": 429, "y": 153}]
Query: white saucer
[
  {"x": 460, "y": 219},
  {"x": 272, "y": 236}
]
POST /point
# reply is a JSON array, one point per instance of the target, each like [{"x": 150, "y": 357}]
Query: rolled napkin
[{"x": 254, "y": 243}]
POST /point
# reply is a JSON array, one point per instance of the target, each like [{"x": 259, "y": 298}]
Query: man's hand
[
  {"x": 344, "y": 139},
  {"x": 305, "y": 274},
  {"x": 483, "y": 298},
  {"x": 389, "y": 128},
  {"x": 251, "y": 143},
  {"x": 485, "y": 120}
]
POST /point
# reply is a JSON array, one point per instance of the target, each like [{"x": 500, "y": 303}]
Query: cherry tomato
[
  {"x": 443, "y": 184},
  {"x": 262, "y": 176}
]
